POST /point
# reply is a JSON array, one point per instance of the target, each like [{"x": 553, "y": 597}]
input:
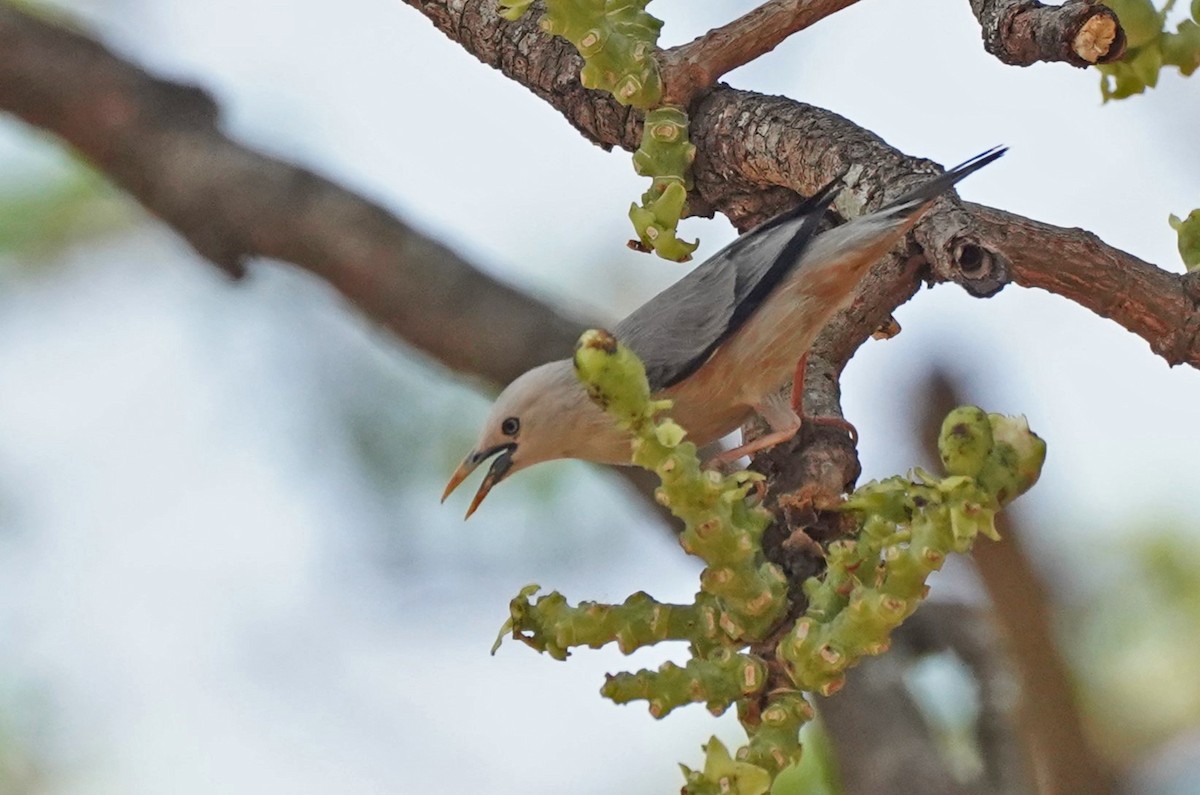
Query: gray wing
[{"x": 676, "y": 331}]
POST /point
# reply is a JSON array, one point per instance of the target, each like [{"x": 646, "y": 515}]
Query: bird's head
[{"x": 543, "y": 415}]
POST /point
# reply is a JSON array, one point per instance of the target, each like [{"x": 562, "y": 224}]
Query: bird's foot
[
  {"x": 837, "y": 422},
  {"x": 750, "y": 448}
]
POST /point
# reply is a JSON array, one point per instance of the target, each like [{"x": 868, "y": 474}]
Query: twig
[
  {"x": 690, "y": 68},
  {"x": 1023, "y": 32}
]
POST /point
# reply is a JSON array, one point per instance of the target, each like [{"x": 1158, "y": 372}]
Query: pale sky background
[{"x": 204, "y": 588}]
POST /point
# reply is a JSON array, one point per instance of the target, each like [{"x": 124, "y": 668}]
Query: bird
[{"x": 720, "y": 343}]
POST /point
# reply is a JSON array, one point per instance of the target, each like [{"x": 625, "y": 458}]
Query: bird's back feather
[{"x": 675, "y": 332}]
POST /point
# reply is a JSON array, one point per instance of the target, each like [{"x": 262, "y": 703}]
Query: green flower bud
[
  {"x": 1182, "y": 48},
  {"x": 1016, "y": 459},
  {"x": 666, "y": 156},
  {"x": 1119, "y": 81},
  {"x": 965, "y": 441},
  {"x": 723, "y": 775},
  {"x": 512, "y": 10}
]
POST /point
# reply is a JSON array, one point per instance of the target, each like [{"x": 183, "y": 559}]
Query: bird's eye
[{"x": 510, "y": 427}]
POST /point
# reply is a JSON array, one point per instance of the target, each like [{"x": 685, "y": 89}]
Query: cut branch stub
[{"x": 1022, "y": 32}]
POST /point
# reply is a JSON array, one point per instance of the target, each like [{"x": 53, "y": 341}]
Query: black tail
[{"x": 939, "y": 185}]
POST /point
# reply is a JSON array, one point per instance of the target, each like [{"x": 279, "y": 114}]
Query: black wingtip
[
  {"x": 977, "y": 162},
  {"x": 817, "y": 204},
  {"x": 825, "y": 196},
  {"x": 940, "y": 184}
]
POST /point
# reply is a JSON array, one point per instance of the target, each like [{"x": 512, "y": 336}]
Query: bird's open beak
[{"x": 496, "y": 472}]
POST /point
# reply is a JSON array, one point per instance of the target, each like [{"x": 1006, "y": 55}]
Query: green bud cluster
[
  {"x": 616, "y": 39},
  {"x": 775, "y": 736},
  {"x": 717, "y": 680},
  {"x": 1150, "y": 47},
  {"x": 909, "y": 526},
  {"x": 724, "y": 775},
  {"x": 742, "y": 596},
  {"x": 666, "y": 156},
  {"x": 720, "y": 526},
  {"x": 1188, "y": 230},
  {"x": 873, "y": 581},
  {"x": 552, "y": 626}
]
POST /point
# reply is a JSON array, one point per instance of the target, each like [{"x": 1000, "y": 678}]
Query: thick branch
[
  {"x": 1023, "y": 32},
  {"x": 690, "y": 68}
]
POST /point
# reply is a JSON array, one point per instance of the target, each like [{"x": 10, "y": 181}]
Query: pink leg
[
  {"x": 750, "y": 448},
  {"x": 783, "y": 421}
]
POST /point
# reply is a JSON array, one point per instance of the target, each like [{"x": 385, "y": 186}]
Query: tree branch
[
  {"x": 1023, "y": 32},
  {"x": 1158, "y": 306},
  {"x": 756, "y": 153},
  {"x": 690, "y": 68}
]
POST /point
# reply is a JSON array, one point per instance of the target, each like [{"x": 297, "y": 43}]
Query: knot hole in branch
[{"x": 980, "y": 271}]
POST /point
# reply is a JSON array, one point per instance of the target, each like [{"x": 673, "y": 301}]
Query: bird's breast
[{"x": 761, "y": 356}]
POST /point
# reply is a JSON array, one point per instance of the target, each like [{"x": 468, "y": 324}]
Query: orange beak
[{"x": 496, "y": 473}]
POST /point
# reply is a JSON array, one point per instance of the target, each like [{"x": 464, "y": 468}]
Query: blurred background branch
[{"x": 161, "y": 142}]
